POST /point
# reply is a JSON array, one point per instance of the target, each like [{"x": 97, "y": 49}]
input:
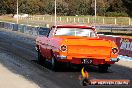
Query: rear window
[{"x": 75, "y": 32}]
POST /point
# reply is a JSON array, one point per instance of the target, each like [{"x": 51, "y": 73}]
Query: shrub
[{"x": 116, "y": 14}]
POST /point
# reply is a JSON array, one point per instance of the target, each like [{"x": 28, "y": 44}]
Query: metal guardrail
[
  {"x": 114, "y": 27},
  {"x": 34, "y": 30},
  {"x": 28, "y": 29}
]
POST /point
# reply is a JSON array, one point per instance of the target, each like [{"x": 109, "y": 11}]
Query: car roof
[{"x": 74, "y": 26}]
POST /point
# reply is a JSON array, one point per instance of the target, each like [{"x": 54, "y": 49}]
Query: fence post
[
  {"x": 60, "y": 19},
  {"x": 74, "y": 20},
  {"x": 115, "y": 21},
  {"x": 67, "y": 19},
  {"x": 43, "y": 18},
  {"x": 47, "y": 25},
  {"x": 31, "y": 18},
  {"x": 88, "y": 20}
]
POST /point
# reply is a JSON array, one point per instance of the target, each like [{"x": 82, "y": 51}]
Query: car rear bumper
[{"x": 90, "y": 61}]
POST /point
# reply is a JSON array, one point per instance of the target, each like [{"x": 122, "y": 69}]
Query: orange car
[{"x": 75, "y": 44}]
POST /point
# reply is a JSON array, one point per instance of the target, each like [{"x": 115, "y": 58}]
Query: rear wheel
[
  {"x": 54, "y": 63},
  {"x": 41, "y": 59},
  {"x": 103, "y": 68}
]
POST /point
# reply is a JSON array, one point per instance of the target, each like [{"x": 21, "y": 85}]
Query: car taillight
[
  {"x": 63, "y": 48},
  {"x": 114, "y": 50}
]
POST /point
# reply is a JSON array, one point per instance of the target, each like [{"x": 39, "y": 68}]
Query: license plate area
[{"x": 87, "y": 61}]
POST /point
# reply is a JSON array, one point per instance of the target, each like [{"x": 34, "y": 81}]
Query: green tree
[
  {"x": 116, "y": 6},
  {"x": 67, "y": 7},
  {"x": 10, "y": 6}
]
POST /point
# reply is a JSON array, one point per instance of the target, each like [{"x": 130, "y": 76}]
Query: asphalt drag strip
[{"x": 20, "y": 58}]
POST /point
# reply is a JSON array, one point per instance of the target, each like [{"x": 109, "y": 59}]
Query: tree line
[{"x": 68, "y": 7}]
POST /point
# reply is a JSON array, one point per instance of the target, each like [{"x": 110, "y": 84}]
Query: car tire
[
  {"x": 41, "y": 59},
  {"x": 54, "y": 64},
  {"x": 103, "y": 68}
]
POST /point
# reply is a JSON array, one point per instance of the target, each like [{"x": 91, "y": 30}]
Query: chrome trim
[
  {"x": 114, "y": 59},
  {"x": 61, "y": 57}
]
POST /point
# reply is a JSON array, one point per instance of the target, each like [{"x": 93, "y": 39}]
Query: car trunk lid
[{"x": 90, "y": 47}]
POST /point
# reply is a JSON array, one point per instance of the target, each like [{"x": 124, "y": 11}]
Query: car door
[
  {"x": 49, "y": 45},
  {"x": 44, "y": 40}
]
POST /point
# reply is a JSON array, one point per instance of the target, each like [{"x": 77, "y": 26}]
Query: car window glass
[
  {"x": 75, "y": 32},
  {"x": 43, "y": 31}
]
